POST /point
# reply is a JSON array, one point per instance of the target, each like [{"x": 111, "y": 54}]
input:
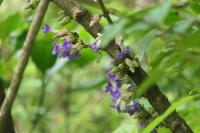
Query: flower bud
[
  {"x": 114, "y": 70},
  {"x": 122, "y": 66},
  {"x": 61, "y": 33},
  {"x": 65, "y": 20},
  {"x": 120, "y": 75},
  {"x": 131, "y": 63},
  {"x": 95, "y": 19}
]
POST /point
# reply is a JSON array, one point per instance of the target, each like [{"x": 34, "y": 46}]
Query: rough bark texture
[
  {"x": 26, "y": 51},
  {"x": 157, "y": 99},
  {"x": 8, "y": 126}
]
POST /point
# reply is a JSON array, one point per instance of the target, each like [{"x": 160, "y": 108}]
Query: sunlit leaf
[
  {"x": 112, "y": 31},
  {"x": 158, "y": 14}
]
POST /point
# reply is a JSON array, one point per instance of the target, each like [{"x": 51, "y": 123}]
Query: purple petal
[
  {"x": 72, "y": 57},
  {"x": 66, "y": 45},
  {"x": 94, "y": 47},
  {"x": 117, "y": 107},
  {"x": 123, "y": 53},
  {"x": 56, "y": 48},
  {"x": 46, "y": 28},
  {"x": 132, "y": 109},
  {"x": 142, "y": 125}
]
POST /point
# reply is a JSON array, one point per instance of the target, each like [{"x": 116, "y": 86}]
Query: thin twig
[
  {"x": 26, "y": 51},
  {"x": 105, "y": 11},
  {"x": 158, "y": 100}
]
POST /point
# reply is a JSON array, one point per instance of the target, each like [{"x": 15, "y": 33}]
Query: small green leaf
[
  {"x": 112, "y": 31},
  {"x": 10, "y": 24},
  {"x": 41, "y": 54},
  {"x": 87, "y": 55},
  {"x": 158, "y": 14},
  {"x": 183, "y": 25},
  {"x": 144, "y": 43}
]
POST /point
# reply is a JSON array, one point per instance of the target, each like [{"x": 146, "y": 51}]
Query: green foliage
[
  {"x": 165, "y": 39},
  {"x": 112, "y": 31},
  {"x": 41, "y": 54}
]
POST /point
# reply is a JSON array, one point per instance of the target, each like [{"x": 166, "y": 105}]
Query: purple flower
[
  {"x": 64, "y": 51},
  {"x": 74, "y": 56},
  {"x": 124, "y": 52},
  {"x": 94, "y": 47},
  {"x": 142, "y": 125},
  {"x": 117, "y": 107},
  {"x": 113, "y": 86},
  {"x": 108, "y": 87},
  {"x": 66, "y": 45},
  {"x": 46, "y": 28},
  {"x": 116, "y": 94},
  {"x": 111, "y": 77},
  {"x": 56, "y": 48},
  {"x": 132, "y": 109}
]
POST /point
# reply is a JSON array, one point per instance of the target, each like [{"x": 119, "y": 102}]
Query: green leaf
[
  {"x": 173, "y": 106},
  {"x": 112, "y": 31},
  {"x": 195, "y": 6},
  {"x": 183, "y": 25},
  {"x": 10, "y": 24},
  {"x": 87, "y": 56},
  {"x": 143, "y": 44},
  {"x": 158, "y": 14},
  {"x": 41, "y": 54}
]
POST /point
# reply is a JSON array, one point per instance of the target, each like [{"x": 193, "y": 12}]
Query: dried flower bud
[
  {"x": 95, "y": 19},
  {"x": 65, "y": 20},
  {"x": 61, "y": 33}
]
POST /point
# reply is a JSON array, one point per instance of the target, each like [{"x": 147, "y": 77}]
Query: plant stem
[{"x": 26, "y": 51}]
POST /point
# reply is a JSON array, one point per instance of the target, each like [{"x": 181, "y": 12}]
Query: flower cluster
[
  {"x": 96, "y": 45},
  {"x": 65, "y": 50},
  {"x": 69, "y": 48},
  {"x": 114, "y": 85},
  {"x": 114, "y": 90}
]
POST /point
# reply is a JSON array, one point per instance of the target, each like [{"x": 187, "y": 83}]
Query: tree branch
[
  {"x": 157, "y": 99},
  {"x": 26, "y": 51},
  {"x": 105, "y": 11}
]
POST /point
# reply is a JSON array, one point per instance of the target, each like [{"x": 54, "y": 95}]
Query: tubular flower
[
  {"x": 47, "y": 28},
  {"x": 117, "y": 107},
  {"x": 124, "y": 52},
  {"x": 132, "y": 109},
  {"x": 94, "y": 47},
  {"x": 56, "y": 48}
]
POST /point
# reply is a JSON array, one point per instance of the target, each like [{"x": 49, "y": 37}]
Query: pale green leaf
[{"x": 112, "y": 31}]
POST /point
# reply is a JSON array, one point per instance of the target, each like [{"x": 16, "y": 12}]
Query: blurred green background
[{"x": 61, "y": 96}]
